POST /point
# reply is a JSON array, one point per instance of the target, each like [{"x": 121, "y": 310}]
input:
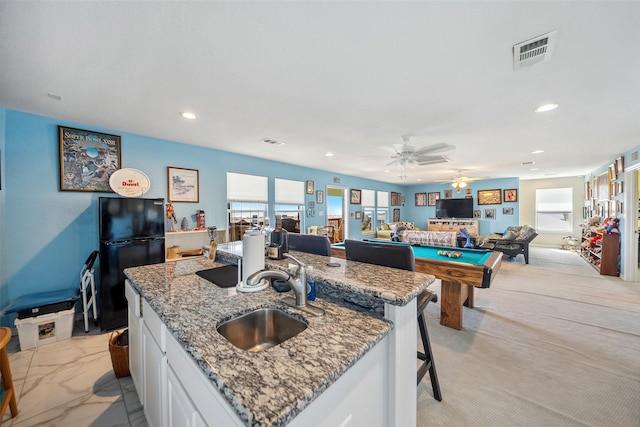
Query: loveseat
[
  {"x": 513, "y": 242},
  {"x": 386, "y": 230}
]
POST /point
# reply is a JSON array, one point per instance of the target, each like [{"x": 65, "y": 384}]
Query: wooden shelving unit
[
  {"x": 454, "y": 225},
  {"x": 603, "y": 254}
]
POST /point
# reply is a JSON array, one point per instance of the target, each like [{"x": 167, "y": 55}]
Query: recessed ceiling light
[
  {"x": 329, "y": 154},
  {"x": 527, "y": 163},
  {"x": 386, "y": 171},
  {"x": 535, "y": 169},
  {"x": 546, "y": 107},
  {"x": 188, "y": 115},
  {"x": 537, "y": 152}
]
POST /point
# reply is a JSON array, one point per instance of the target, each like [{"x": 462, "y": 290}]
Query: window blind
[
  {"x": 250, "y": 188},
  {"x": 383, "y": 199},
  {"x": 368, "y": 198},
  {"x": 289, "y": 192}
]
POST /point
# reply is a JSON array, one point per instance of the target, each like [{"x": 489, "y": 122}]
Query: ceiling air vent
[
  {"x": 533, "y": 51},
  {"x": 272, "y": 142}
]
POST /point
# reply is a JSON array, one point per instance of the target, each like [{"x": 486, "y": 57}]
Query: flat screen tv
[{"x": 454, "y": 208}]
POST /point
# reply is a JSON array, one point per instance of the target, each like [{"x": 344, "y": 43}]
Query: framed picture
[
  {"x": 511, "y": 195},
  {"x": 489, "y": 197},
  {"x": 432, "y": 197},
  {"x": 619, "y": 165},
  {"x": 319, "y": 197},
  {"x": 309, "y": 187},
  {"x": 448, "y": 194},
  {"x": 421, "y": 199},
  {"x": 395, "y": 199},
  {"x": 507, "y": 211},
  {"x": 352, "y": 215},
  {"x": 359, "y": 215},
  {"x": 587, "y": 190},
  {"x": 312, "y": 205},
  {"x": 356, "y": 196},
  {"x": 396, "y": 215},
  {"x": 183, "y": 185},
  {"x": 477, "y": 213},
  {"x": 87, "y": 159},
  {"x": 490, "y": 213}
]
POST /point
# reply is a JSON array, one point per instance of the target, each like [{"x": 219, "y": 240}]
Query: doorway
[{"x": 337, "y": 212}]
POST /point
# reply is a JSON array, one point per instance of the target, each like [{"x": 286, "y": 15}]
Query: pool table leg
[{"x": 454, "y": 295}]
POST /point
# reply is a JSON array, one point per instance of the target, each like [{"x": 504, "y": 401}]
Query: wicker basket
[{"x": 119, "y": 355}]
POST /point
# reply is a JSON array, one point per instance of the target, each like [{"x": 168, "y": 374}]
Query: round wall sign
[{"x": 129, "y": 182}]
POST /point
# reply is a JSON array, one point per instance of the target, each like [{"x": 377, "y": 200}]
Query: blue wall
[
  {"x": 47, "y": 234},
  {"x": 420, "y": 214}
]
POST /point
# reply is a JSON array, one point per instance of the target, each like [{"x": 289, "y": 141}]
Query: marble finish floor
[{"x": 71, "y": 383}]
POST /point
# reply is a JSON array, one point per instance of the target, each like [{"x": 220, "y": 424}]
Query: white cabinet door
[
  {"x": 155, "y": 380},
  {"x": 182, "y": 413},
  {"x": 136, "y": 365}
]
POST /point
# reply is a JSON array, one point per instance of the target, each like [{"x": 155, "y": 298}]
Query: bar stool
[
  {"x": 427, "y": 357},
  {"x": 6, "y": 385},
  {"x": 401, "y": 256}
]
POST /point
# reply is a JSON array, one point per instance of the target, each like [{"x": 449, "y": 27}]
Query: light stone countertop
[{"x": 271, "y": 387}]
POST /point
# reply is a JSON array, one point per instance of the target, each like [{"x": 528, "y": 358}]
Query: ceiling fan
[
  {"x": 407, "y": 155},
  {"x": 461, "y": 181}
]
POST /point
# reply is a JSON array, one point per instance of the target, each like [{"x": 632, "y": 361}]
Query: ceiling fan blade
[
  {"x": 432, "y": 149},
  {"x": 432, "y": 160}
]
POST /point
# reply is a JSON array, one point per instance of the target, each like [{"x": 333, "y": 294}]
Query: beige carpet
[{"x": 551, "y": 343}]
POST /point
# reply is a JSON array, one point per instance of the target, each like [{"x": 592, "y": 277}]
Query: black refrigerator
[{"x": 131, "y": 234}]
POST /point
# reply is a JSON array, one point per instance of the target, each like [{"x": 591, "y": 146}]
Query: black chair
[
  {"x": 402, "y": 257},
  {"x": 309, "y": 243}
]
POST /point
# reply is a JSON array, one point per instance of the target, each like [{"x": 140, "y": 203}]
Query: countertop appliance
[{"x": 131, "y": 234}]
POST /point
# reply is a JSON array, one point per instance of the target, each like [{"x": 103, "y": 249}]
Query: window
[
  {"x": 383, "y": 202},
  {"x": 368, "y": 209},
  {"x": 289, "y": 198},
  {"x": 554, "y": 209},
  {"x": 247, "y": 196}
]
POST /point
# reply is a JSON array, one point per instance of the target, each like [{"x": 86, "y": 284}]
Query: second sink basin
[{"x": 261, "y": 329}]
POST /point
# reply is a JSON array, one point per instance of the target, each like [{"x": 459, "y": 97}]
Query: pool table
[{"x": 459, "y": 276}]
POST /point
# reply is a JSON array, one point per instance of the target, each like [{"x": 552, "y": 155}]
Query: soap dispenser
[{"x": 311, "y": 284}]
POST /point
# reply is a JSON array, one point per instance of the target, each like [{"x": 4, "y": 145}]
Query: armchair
[{"x": 514, "y": 241}]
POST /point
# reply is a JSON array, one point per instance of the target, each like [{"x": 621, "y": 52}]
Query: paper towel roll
[{"x": 252, "y": 253}]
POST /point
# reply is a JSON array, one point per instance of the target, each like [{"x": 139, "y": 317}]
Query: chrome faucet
[{"x": 298, "y": 284}]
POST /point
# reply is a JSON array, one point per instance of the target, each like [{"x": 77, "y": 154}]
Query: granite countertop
[{"x": 271, "y": 387}]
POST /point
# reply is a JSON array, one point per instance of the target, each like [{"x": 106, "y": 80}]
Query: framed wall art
[
  {"x": 507, "y": 211},
  {"x": 396, "y": 215},
  {"x": 619, "y": 165},
  {"x": 511, "y": 195},
  {"x": 477, "y": 213},
  {"x": 432, "y": 197},
  {"x": 395, "y": 199},
  {"x": 421, "y": 199},
  {"x": 183, "y": 185},
  {"x": 490, "y": 213},
  {"x": 448, "y": 194},
  {"x": 358, "y": 214},
  {"x": 309, "y": 187},
  {"x": 489, "y": 197},
  {"x": 356, "y": 196},
  {"x": 87, "y": 159},
  {"x": 319, "y": 197}
]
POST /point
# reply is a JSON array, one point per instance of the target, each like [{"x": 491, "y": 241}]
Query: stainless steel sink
[{"x": 261, "y": 329}]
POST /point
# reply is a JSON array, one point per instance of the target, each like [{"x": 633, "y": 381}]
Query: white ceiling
[{"x": 346, "y": 77}]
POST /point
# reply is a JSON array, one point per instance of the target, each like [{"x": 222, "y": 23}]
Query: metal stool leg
[{"x": 427, "y": 357}]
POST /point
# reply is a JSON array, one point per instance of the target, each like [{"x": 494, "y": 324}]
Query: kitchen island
[{"x": 354, "y": 364}]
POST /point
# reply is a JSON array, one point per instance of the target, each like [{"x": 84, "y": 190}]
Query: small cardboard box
[{"x": 45, "y": 329}]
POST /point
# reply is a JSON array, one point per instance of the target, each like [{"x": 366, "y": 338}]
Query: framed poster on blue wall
[{"x": 87, "y": 159}]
